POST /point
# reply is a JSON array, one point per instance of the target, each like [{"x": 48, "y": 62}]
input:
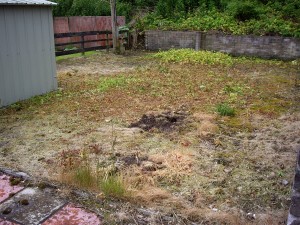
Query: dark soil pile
[{"x": 165, "y": 122}]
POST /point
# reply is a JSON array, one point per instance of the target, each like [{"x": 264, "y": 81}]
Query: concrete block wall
[
  {"x": 260, "y": 46},
  {"x": 169, "y": 39}
]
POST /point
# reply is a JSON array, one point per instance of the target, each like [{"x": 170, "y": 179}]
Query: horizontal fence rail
[{"x": 77, "y": 41}]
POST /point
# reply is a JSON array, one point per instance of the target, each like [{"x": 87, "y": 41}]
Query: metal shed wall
[{"x": 27, "y": 54}]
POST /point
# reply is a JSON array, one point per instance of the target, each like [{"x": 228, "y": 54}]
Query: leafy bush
[{"x": 243, "y": 11}]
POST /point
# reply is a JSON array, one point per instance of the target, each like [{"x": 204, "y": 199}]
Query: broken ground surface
[
  {"x": 197, "y": 167},
  {"x": 21, "y": 203}
]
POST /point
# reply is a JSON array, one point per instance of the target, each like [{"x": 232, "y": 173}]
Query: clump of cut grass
[
  {"x": 192, "y": 56},
  {"x": 225, "y": 110},
  {"x": 113, "y": 186},
  {"x": 108, "y": 83}
]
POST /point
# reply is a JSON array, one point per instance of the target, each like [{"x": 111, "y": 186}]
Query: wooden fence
[{"x": 80, "y": 41}]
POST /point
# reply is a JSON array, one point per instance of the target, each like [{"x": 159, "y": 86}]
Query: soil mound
[{"x": 165, "y": 122}]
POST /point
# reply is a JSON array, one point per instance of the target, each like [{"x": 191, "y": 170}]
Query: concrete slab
[
  {"x": 6, "y": 222},
  {"x": 31, "y": 206},
  {"x": 72, "y": 215},
  {"x": 6, "y": 190}
]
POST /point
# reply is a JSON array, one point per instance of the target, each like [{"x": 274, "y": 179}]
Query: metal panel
[
  {"x": 27, "y": 53},
  {"x": 26, "y": 2}
]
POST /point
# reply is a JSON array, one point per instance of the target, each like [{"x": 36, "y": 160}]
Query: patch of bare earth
[{"x": 180, "y": 161}]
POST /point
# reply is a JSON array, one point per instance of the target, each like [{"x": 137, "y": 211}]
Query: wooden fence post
[
  {"x": 128, "y": 39},
  {"x": 82, "y": 44},
  {"x": 107, "y": 43}
]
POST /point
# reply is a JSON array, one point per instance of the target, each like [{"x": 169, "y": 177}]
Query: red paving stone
[
  {"x": 6, "y": 222},
  {"x": 6, "y": 189},
  {"x": 72, "y": 215}
]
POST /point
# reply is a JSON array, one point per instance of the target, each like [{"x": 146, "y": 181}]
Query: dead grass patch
[{"x": 211, "y": 169}]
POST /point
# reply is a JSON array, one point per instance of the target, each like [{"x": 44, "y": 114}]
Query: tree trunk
[{"x": 114, "y": 26}]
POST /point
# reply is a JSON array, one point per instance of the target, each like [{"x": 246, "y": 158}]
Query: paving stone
[
  {"x": 6, "y": 189},
  {"x": 31, "y": 206},
  {"x": 6, "y": 222},
  {"x": 72, "y": 215}
]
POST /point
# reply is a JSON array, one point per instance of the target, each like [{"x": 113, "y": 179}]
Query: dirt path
[{"x": 100, "y": 64}]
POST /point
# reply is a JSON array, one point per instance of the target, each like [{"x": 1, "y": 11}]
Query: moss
[{"x": 15, "y": 181}]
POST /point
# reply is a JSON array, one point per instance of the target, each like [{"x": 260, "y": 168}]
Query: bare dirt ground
[{"x": 155, "y": 125}]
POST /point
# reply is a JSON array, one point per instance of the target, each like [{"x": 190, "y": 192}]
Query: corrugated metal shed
[
  {"x": 26, "y": 2},
  {"x": 27, "y": 52}
]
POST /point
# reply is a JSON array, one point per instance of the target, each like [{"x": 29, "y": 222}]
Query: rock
[
  {"x": 284, "y": 182},
  {"x": 251, "y": 216},
  {"x": 272, "y": 175},
  {"x": 227, "y": 170}
]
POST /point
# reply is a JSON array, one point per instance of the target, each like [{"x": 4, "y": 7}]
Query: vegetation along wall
[{"x": 249, "y": 45}]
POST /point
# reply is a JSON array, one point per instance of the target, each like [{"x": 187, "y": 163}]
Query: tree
[{"x": 114, "y": 27}]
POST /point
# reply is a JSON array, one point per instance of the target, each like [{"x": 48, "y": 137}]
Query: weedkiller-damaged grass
[{"x": 208, "y": 169}]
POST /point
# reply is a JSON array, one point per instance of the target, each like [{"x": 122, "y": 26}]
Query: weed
[
  {"x": 228, "y": 89},
  {"x": 108, "y": 83},
  {"x": 192, "y": 56},
  {"x": 84, "y": 176},
  {"x": 225, "y": 110},
  {"x": 113, "y": 186}
]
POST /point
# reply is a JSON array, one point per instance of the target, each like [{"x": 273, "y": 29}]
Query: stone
[
  {"x": 70, "y": 214},
  {"x": 6, "y": 189},
  {"x": 39, "y": 205},
  {"x": 284, "y": 182},
  {"x": 272, "y": 175},
  {"x": 6, "y": 222}
]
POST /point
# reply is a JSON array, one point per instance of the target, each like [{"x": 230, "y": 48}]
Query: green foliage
[
  {"x": 170, "y": 8},
  {"x": 81, "y": 8},
  {"x": 214, "y": 20},
  {"x": 243, "y": 11},
  {"x": 225, "y": 110},
  {"x": 113, "y": 186},
  {"x": 259, "y": 17},
  {"x": 84, "y": 176},
  {"x": 192, "y": 56}
]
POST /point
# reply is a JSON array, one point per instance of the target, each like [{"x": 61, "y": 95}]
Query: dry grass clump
[{"x": 78, "y": 168}]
